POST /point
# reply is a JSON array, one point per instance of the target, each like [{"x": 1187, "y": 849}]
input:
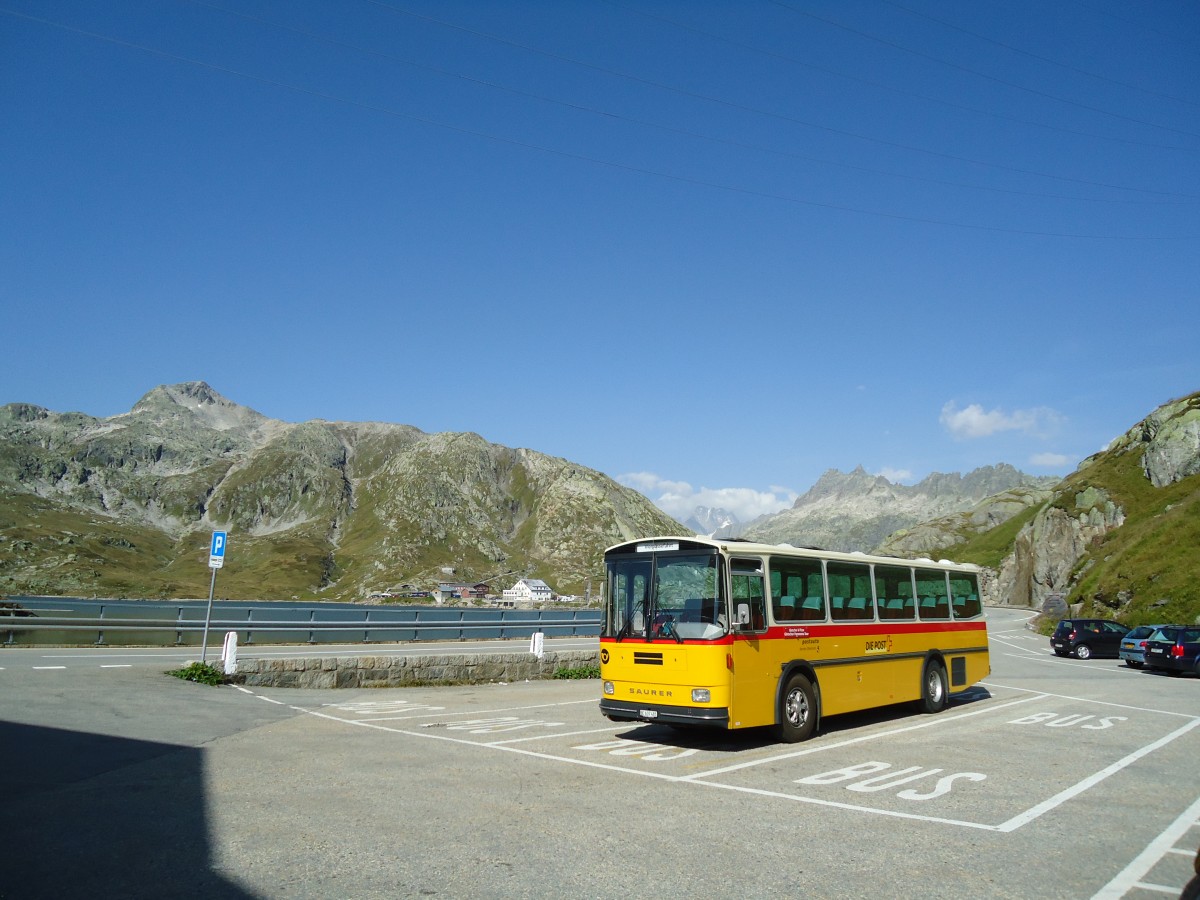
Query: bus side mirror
[{"x": 743, "y": 615}]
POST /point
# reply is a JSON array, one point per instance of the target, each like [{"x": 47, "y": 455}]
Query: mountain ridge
[
  {"x": 858, "y": 511},
  {"x": 317, "y": 508}
]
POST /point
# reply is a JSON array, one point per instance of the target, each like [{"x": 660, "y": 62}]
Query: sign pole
[
  {"x": 216, "y": 559},
  {"x": 208, "y": 617}
]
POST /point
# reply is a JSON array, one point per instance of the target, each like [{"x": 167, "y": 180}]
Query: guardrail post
[
  {"x": 367, "y": 622},
  {"x": 462, "y": 632},
  {"x": 312, "y": 617},
  {"x": 179, "y": 628},
  {"x": 249, "y": 633},
  {"x": 100, "y": 633}
]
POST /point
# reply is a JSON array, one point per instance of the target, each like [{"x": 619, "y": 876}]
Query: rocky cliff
[
  {"x": 124, "y": 505},
  {"x": 1120, "y": 536}
]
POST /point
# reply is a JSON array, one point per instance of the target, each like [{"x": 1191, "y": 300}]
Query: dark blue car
[{"x": 1174, "y": 649}]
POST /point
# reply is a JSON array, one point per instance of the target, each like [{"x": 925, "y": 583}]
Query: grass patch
[{"x": 201, "y": 673}]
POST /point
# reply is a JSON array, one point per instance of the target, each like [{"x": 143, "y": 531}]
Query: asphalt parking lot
[{"x": 1055, "y": 778}]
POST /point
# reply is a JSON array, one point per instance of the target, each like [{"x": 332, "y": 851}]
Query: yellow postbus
[{"x": 733, "y": 634}]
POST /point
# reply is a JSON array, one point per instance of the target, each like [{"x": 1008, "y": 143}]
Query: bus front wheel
[
  {"x": 798, "y": 715},
  {"x": 933, "y": 688}
]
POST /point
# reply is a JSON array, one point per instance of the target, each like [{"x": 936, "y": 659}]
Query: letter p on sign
[{"x": 216, "y": 554}]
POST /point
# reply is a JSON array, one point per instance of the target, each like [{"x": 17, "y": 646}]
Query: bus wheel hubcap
[
  {"x": 797, "y": 708},
  {"x": 935, "y": 685}
]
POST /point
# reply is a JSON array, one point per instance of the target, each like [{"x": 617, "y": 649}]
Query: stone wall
[{"x": 407, "y": 671}]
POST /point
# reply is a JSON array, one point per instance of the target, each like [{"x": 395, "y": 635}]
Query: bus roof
[{"x": 736, "y": 546}]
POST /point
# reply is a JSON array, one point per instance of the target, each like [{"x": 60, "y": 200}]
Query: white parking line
[
  {"x": 1163, "y": 712},
  {"x": 704, "y": 779},
  {"x": 1131, "y": 875},
  {"x": 1092, "y": 780},
  {"x": 47, "y": 668},
  {"x": 440, "y": 713},
  {"x": 927, "y": 723},
  {"x": 117, "y": 666}
]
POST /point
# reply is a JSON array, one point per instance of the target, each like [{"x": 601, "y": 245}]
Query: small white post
[
  {"x": 537, "y": 644},
  {"x": 229, "y": 652}
]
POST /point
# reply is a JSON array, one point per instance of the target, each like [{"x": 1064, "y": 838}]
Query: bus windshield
[{"x": 665, "y": 596}]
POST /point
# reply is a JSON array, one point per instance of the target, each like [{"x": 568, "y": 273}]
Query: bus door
[{"x": 753, "y": 677}]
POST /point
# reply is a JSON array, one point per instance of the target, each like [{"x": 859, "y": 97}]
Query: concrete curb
[{"x": 407, "y": 671}]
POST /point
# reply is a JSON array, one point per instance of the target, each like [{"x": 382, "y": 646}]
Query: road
[{"x": 1055, "y": 778}]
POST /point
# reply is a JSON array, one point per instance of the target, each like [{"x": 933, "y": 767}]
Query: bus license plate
[{"x": 648, "y": 713}]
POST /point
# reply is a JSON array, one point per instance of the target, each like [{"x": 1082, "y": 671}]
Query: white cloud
[
  {"x": 973, "y": 422},
  {"x": 678, "y": 498},
  {"x": 1050, "y": 460},
  {"x": 896, "y": 476}
]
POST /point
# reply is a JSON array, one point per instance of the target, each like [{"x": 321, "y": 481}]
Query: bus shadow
[
  {"x": 701, "y": 738},
  {"x": 93, "y": 815}
]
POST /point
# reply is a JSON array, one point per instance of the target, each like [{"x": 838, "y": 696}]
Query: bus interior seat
[
  {"x": 787, "y": 608},
  {"x": 813, "y": 608}
]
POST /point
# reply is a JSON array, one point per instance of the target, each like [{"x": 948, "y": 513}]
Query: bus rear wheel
[
  {"x": 934, "y": 695},
  {"x": 798, "y": 712}
]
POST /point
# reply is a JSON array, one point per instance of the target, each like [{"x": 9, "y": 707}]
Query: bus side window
[{"x": 894, "y": 588}]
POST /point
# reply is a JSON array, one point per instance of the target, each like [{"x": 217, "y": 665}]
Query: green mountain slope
[{"x": 1120, "y": 537}]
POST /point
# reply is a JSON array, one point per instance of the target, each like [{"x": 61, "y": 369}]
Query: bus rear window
[{"x": 964, "y": 595}]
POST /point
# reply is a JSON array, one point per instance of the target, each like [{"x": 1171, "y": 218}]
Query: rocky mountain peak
[
  {"x": 196, "y": 402},
  {"x": 23, "y": 412}
]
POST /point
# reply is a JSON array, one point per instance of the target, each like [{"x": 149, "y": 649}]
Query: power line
[
  {"x": 953, "y": 65},
  {"x": 892, "y": 88},
  {"x": 1031, "y": 55},
  {"x": 758, "y": 111},
  {"x": 609, "y": 114},
  {"x": 697, "y": 182}
]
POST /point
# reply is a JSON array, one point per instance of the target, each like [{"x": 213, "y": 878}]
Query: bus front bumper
[{"x": 624, "y": 711}]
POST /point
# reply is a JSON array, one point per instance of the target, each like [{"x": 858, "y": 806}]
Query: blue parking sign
[{"x": 216, "y": 553}]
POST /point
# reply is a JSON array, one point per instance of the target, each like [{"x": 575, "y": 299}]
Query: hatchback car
[
  {"x": 1085, "y": 638},
  {"x": 1133, "y": 645},
  {"x": 1174, "y": 649}
]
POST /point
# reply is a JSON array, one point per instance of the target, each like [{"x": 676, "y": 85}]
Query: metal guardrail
[{"x": 428, "y": 629}]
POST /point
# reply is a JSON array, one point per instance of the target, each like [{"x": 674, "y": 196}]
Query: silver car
[{"x": 1133, "y": 645}]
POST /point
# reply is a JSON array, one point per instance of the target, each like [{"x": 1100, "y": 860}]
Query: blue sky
[{"x": 710, "y": 249}]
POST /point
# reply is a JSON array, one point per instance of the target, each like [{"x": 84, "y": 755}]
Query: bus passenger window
[
  {"x": 933, "y": 589},
  {"x": 798, "y": 580},
  {"x": 850, "y": 590},
  {"x": 894, "y": 588}
]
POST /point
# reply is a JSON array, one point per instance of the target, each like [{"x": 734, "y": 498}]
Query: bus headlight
[
  {"x": 701, "y": 695},
  {"x": 609, "y": 689}
]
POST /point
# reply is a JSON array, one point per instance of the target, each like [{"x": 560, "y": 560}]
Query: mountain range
[
  {"x": 123, "y": 506},
  {"x": 857, "y": 511}
]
